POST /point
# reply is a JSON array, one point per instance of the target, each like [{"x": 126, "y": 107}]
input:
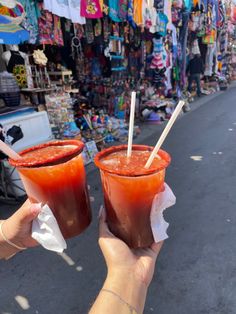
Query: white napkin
[
  {"x": 46, "y": 231},
  {"x": 160, "y": 202}
]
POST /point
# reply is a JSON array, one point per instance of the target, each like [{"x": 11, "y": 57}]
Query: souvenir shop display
[{"x": 85, "y": 57}]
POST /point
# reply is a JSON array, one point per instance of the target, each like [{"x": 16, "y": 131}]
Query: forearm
[{"x": 120, "y": 294}]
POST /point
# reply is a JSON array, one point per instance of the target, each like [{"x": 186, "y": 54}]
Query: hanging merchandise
[
  {"x": 221, "y": 15},
  {"x": 91, "y": 9},
  {"x": 70, "y": 9},
  {"x": 123, "y": 9},
  {"x": 57, "y": 32},
  {"x": 89, "y": 34},
  {"x": 161, "y": 23},
  {"x": 138, "y": 12},
  {"x": 114, "y": 10},
  {"x": 76, "y": 46},
  {"x": 106, "y": 29},
  {"x": 75, "y": 12},
  {"x": 10, "y": 18},
  {"x": 30, "y": 22},
  {"x": 45, "y": 22},
  {"x": 19, "y": 72},
  {"x": 131, "y": 13}
]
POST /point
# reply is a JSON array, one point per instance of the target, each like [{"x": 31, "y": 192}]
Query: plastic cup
[
  {"x": 129, "y": 193},
  {"x": 53, "y": 173}
]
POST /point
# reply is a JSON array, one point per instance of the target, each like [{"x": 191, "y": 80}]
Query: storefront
[{"x": 79, "y": 60}]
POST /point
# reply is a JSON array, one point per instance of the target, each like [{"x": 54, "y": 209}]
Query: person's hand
[
  {"x": 121, "y": 259},
  {"x": 17, "y": 228}
]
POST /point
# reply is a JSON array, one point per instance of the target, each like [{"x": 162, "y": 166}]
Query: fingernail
[{"x": 100, "y": 212}]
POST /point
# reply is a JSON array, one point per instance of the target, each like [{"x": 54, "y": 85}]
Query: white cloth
[
  {"x": 160, "y": 202},
  {"x": 46, "y": 231},
  {"x": 69, "y": 9},
  {"x": 8, "y": 3},
  {"x": 174, "y": 34},
  {"x": 74, "y": 9},
  {"x": 167, "y": 11}
]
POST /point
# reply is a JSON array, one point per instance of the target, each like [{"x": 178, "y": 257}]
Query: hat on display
[{"x": 10, "y": 18}]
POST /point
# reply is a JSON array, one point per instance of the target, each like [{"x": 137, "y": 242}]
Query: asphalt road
[{"x": 196, "y": 270}]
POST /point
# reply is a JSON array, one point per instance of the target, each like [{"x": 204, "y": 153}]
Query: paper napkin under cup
[
  {"x": 160, "y": 202},
  {"x": 45, "y": 230}
]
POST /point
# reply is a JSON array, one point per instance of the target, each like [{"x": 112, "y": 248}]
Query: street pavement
[{"x": 196, "y": 269}]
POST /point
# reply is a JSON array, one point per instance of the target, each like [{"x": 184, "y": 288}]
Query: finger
[
  {"x": 156, "y": 247},
  {"x": 27, "y": 212},
  {"x": 103, "y": 227}
]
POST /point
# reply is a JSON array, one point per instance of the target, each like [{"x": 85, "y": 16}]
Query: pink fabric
[{"x": 90, "y": 9}]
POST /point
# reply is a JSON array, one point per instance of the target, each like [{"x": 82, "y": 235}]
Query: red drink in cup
[
  {"x": 129, "y": 190},
  {"x": 53, "y": 173}
]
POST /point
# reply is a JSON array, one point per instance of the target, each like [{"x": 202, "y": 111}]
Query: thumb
[{"x": 27, "y": 212}]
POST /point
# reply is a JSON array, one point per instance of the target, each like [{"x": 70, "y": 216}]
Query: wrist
[
  {"x": 130, "y": 288},
  {"x": 7, "y": 247}
]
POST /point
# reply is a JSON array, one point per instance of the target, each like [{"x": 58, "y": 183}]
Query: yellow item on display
[
  {"x": 138, "y": 12},
  {"x": 19, "y": 71}
]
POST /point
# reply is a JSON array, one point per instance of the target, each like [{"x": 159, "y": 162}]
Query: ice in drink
[
  {"x": 129, "y": 190},
  {"x": 53, "y": 173}
]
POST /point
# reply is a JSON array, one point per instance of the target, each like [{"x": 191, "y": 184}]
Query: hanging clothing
[
  {"x": 30, "y": 22},
  {"x": 138, "y": 12},
  {"x": 57, "y": 31},
  {"x": 50, "y": 32},
  {"x": 161, "y": 23},
  {"x": 114, "y": 10},
  {"x": 45, "y": 23},
  {"x": 10, "y": 31},
  {"x": 188, "y": 4},
  {"x": 75, "y": 12},
  {"x": 211, "y": 51},
  {"x": 131, "y": 13},
  {"x": 91, "y": 9},
  {"x": 167, "y": 11},
  {"x": 147, "y": 23},
  {"x": 122, "y": 9},
  {"x": 70, "y": 9},
  {"x": 60, "y": 8}
]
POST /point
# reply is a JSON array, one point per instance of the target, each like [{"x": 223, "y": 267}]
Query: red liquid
[
  {"x": 128, "y": 197},
  {"x": 62, "y": 186}
]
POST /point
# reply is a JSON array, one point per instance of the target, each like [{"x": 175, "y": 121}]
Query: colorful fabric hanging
[
  {"x": 30, "y": 23},
  {"x": 91, "y": 9},
  {"x": 114, "y": 10},
  {"x": 50, "y": 32},
  {"x": 122, "y": 9},
  {"x": 70, "y": 9},
  {"x": 10, "y": 31},
  {"x": 131, "y": 13},
  {"x": 138, "y": 12}
]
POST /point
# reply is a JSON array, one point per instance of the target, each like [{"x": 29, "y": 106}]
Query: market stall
[{"x": 80, "y": 60}]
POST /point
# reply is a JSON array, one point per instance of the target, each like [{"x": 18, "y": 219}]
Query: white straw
[
  {"x": 8, "y": 151},
  {"x": 131, "y": 123},
  {"x": 164, "y": 133}
]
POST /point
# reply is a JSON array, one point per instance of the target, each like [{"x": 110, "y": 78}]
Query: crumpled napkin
[
  {"x": 160, "y": 202},
  {"x": 46, "y": 231}
]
